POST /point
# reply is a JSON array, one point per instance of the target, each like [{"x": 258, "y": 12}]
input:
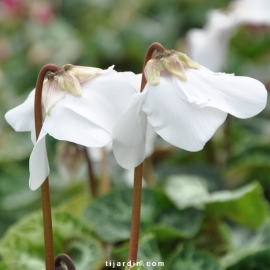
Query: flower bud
[
  {"x": 152, "y": 71},
  {"x": 174, "y": 66},
  {"x": 69, "y": 83},
  {"x": 82, "y": 73},
  {"x": 187, "y": 62},
  {"x": 51, "y": 94},
  {"x": 173, "y": 61}
]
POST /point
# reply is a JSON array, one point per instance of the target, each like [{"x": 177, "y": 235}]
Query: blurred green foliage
[{"x": 206, "y": 211}]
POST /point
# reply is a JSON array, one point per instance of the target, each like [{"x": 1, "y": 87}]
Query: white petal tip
[
  {"x": 108, "y": 69},
  {"x": 33, "y": 186}
]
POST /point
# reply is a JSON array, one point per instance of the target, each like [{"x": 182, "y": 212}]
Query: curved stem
[
  {"x": 45, "y": 191},
  {"x": 67, "y": 260},
  {"x": 153, "y": 47},
  {"x": 137, "y": 190},
  {"x": 105, "y": 184}
]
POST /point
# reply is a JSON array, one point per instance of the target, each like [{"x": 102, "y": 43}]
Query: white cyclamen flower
[
  {"x": 80, "y": 106},
  {"x": 151, "y": 136},
  {"x": 209, "y": 46},
  {"x": 251, "y": 12},
  {"x": 185, "y": 113}
]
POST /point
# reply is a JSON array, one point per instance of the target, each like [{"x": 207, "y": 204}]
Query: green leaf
[
  {"x": 187, "y": 258},
  {"x": 257, "y": 261},
  {"x": 110, "y": 215},
  {"x": 22, "y": 246},
  {"x": 245, "y": 206},
  {"x": 173, "y": 223},
  {"x": 75, "y": 205},
  {"x": 85, "y": 252},
  {"x": 3, "y": 266},
  {"x": 246, "y": 243},
  {"x": 214, "y": 237},
  {"x": 187, "y": 191}
]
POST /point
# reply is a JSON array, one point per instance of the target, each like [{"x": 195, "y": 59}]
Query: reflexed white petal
[
  {"x": 251, "y": 12},
  {"x": 51, "y": 94},
  {"x": 174, "y": 66},
  {"x": 207, "y": 50},
  {"x": 242, "y": 97},
  {"x": 69, "y": 83},
  {"x": 134, "y": 80},
  {"x": 33, "y": 134},
  {"x": 220, "y": 23},
  {"x": 64, "y": 124},
  {"x": 21, "y": 118},
  {"x": 103, "y": 100},
  {"x": 152, "y": 70},
  {"x": 107, "y": 70},
  {"x": 82, "y": 73},
  {"x": 38, "y": 164},
  {"x": 209, "y": 46},
  {"x": 177, "y": 121},
  {"x": 129, "y": 135},
  {"x": 151, "y": 136}
]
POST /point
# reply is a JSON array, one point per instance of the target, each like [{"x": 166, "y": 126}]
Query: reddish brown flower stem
[
  {"x": 91, "y": 176},
  {"x": 45, "y": 191},
  {"x": 148, "y": 171},
  {"x": 227, "y": 138},
  {"x": 105, "y": 185},
  {"x": 137, "y": 189}
]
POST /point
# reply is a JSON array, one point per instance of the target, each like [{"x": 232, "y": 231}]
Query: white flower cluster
[
  {"x": 209, "y": 45},
  {"x": 109, "y": 108}
]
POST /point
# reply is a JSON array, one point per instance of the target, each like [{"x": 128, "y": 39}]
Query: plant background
[{"x": 208, "y": 210}]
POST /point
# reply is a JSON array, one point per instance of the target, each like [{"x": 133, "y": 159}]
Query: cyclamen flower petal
[
  {"x": 82, "y": 73},
  {"x": 209, "y": 46},
  {"x": 65, "y": 124},
  {"x": 175, "y": 66},
  {"x": 51, "y": 94},
  {"x": 207, "y": 49},
  {"x": 129, "y": 135},
  {"x": 151, "y": 135},
  {"x": 21, "y": 118},
  {"x": 152, "y": 71},
  {"x": 38, "y": 163},
  {"x": 240, "y": 96},
  {"x": 179, "y": 122},
  {"x": 150, "y": 140},
  {"x": 251, "y": 12},
  {"x": 184, "y": 113},
  {"x": 69, "y": 83},
  {"x": 106, "y": 96},
  {"x": 135, "y": 81}
]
